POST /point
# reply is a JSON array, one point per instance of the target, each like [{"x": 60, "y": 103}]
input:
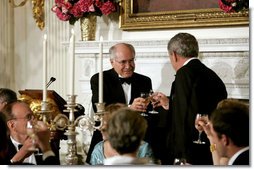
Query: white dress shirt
[{"x": 31, "y": 159}]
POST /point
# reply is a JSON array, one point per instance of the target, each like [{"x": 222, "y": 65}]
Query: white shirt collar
[
  {"x": 30, "y": 159},
  {"x": 15, "y": 143},
  {"x": 187, "y": 61},
  {"x": 233, "y": 158}
]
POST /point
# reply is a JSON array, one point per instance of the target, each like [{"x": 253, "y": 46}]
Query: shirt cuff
[{"x": 47, "y": 154}]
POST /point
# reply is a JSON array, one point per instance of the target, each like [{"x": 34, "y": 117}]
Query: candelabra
[
  {"x": 99, "y": 115},
  {"x": 45, "y": 112},
  {"x": 62, "y": 122},
  {"x": 85, "y": 123}
]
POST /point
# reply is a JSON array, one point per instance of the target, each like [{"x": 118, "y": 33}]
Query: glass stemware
[
  {"x": 147, "y": 100},
  {"x": 179, "y": 161},
  {"x": 151, "y": 93},
  {"x": 200, "y": 117},
  {"x": 31, "y": 132}
]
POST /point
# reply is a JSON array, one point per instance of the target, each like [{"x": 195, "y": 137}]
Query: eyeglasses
[
  {"x": 29, "y": 116},
  {"x": 124, "y": 62}
]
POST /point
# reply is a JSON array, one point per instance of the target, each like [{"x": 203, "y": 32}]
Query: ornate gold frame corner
[{"x": 179, "y": 19}]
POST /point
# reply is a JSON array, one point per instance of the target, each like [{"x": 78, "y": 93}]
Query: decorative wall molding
[{"x": 205, "y": 45}]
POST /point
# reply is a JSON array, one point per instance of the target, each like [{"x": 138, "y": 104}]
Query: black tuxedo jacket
[
  {"x": 51, "y": 160},
  {"x": 113, "y": 93},
  {"x": 112, "y": 88},
  {"x": 243, "y": 158},
  {"x": 196, "y": 89}
]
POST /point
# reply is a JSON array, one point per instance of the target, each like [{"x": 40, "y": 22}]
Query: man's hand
[
  {"x": 43, "y": 135},
  {"x": 139, "y": 104},
  {"x": 160, "y": 99}
]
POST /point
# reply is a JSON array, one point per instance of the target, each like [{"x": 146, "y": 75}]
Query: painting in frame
[{"x": 161, "y": 14}]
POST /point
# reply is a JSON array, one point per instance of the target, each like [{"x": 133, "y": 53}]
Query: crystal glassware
[
  {"x": 151, "y": 93},
  {"x": 200, "y": 117},
  {"x": 31, "y": 132}
]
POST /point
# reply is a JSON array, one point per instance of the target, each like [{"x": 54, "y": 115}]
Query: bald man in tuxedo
[{"x": 122, "y": 85}]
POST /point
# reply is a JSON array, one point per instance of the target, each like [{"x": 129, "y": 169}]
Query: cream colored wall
[{"x": 28, "y": 44}]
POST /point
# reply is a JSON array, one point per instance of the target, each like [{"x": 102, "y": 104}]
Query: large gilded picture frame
[{"x": 208, "y": 17}]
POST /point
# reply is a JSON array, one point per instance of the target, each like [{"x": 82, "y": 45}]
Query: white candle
[
  {"x": 72, "y": 61},
  {"x": 101, "y": 71},
  {"x": 44, "y": 68}
]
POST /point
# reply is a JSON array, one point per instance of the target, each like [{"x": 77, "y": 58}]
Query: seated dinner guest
[
  {"x": 17, "y": 115},
  {"x": 7, "y": 96},
  {"x": 103, "y": 149},
  {"x": 228, "y": 132},
  {"x": 126, "y": 130}
]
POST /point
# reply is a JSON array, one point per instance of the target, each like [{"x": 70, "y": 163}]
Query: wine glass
[
  {"x": 151, "y": 93},
  {"x": 145, "y": 96},
  {"x": 200, "y": 117},
  {"x": 31, "y": 132},
  {"x": 179, "y": 161}
]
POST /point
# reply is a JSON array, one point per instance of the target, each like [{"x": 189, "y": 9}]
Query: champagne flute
[
  {"x": 145, "y": 96},
  {"x": 200, "y": 117},
  {"x": 31, "y": 132},
  {"x": 151, "y": 93}
]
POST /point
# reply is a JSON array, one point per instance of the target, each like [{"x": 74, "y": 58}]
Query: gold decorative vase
[{"x": 88, "y": 28}]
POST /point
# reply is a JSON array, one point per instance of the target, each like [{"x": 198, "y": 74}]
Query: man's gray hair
[
  {"x": 184, "y": 44},
  {"x": 112, "y": 50}
]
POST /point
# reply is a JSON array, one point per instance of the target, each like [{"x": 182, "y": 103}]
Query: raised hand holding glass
[
  {"x": 200, "y": 117},
  {"x": 31, "y": 132}
]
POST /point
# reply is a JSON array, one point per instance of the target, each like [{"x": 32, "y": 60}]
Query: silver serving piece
[{"x": 85, "y": 123}]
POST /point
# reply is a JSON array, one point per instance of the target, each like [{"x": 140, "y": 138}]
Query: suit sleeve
[
  {"x": 95, "y": 90},
  {"x": 181, "y": 117}
]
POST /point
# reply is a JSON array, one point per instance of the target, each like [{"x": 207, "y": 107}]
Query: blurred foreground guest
[
  {"x": 6, "y": 96},
  {"x": 126, "y": 130},
  {"x": 3, "y": 142},
  {"x": 104, "y": 150},
  {"x": 18, "y": 114},
  {"x": 228, "y": 132}
]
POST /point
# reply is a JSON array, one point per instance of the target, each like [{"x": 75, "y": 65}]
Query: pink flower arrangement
[
  {"x": 233, "y": 5},
  {"x": 73, "y": 10}
]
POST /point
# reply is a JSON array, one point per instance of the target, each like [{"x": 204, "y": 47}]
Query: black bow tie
[
  {"x": 20, "y": 146},
  {"x": 125, "y": 80}
]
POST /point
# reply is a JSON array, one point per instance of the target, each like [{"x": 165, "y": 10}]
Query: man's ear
[
  {"x": 111, "y": 61},
  {"x": 174, "y": 56},
  {"x": 225, "y": 140},
  {"x": 10, "y": 124}
]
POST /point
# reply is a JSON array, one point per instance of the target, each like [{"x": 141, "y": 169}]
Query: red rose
[{"x": 107, "y": 8}]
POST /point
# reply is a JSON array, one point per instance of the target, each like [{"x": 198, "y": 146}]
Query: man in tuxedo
[
  {"x": 229, "y": 131},
  {"x": 196, "y": 89},
  {"x": 120, "y": 85},
  {"x": 17, "y": 114}
]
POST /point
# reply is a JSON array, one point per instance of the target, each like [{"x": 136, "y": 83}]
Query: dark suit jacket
[
  {"x": 243, "y": 159},
  {"x": 112, "y": 88},
  {"x": 51, "y": 160},
  {"x": 113, "y": 93},
  {"x": 196, "y": 89}
]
